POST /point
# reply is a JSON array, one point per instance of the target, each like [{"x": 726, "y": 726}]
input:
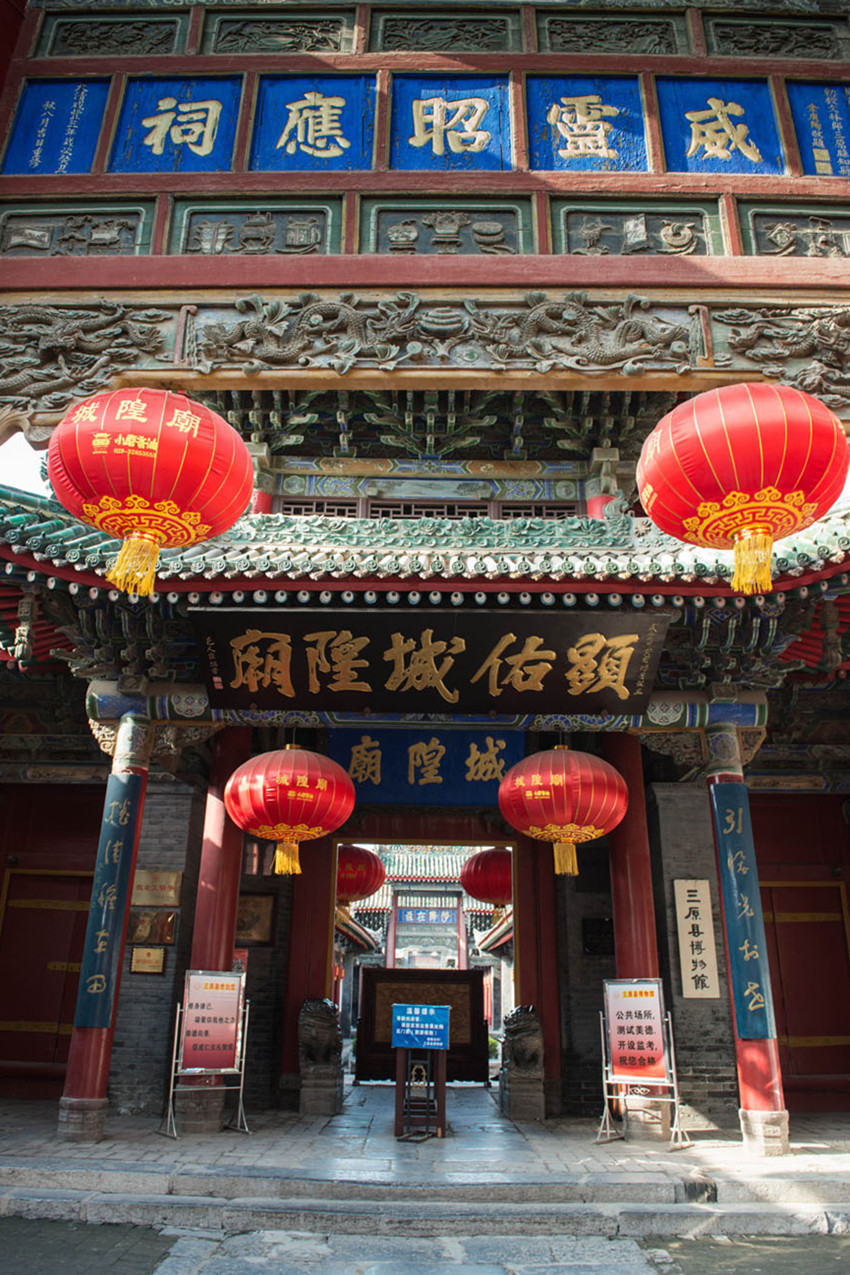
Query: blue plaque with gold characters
[
  {"x": 718, "y": 126},
  {"x": 57, "y": 126},
  {"x": 821, "y": 114},
  {"x": 177, "y": 126},
  {"x": 580, "y": 122},
  {"x": 450, "y": 123},
  {"x": 314, "y": 123}
]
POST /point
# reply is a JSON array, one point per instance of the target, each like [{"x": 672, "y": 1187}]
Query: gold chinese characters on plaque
[{"x": 156, "y": 888}]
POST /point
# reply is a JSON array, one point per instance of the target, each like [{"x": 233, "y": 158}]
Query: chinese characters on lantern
[
  {"x": 321, "y": 123},
  {"x": 697, "y": 952}
]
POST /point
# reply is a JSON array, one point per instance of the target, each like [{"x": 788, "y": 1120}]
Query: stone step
[{"x": 425, "y": 1218}]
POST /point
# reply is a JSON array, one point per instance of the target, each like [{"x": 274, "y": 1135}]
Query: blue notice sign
[{"x": 421, "y": 1026}]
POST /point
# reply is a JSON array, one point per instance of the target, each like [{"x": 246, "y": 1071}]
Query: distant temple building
[{"x": 444, "y": 269}]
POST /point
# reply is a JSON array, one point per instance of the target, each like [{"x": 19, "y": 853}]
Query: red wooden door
[
  {"x": 808, "y": 936},
  {"x": 43, "y": 918}
]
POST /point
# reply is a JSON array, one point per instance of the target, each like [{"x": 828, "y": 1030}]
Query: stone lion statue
[
  {"x": 522, "y": 1047},
  {"x": 319, "y": 1037}
]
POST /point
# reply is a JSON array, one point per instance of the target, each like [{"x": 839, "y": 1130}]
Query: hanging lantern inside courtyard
[
  {"x": 151, "y": 468},
  {"x": 488, "y": 877},
  {"x": 742, "y": 466},
  {"x": 564, "y": 797},
  {"x": 359, "y": 873},
  {"x": 289, "y": 796}
]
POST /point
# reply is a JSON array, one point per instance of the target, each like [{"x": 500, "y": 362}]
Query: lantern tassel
[
  {"x": 566, "y": 862},
  {"x": 498, "y": 913},
  {"x": 753, "y": 551},
  {"x": 134, "y": 570},
  {"x": 286, "y": 861}
]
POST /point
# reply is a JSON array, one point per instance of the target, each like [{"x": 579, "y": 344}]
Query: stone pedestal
[
  {"x": 82, "y": 1119},
  {"x": 521, "y": 1094},
  {"x": 646, "y": 1119},
  {"x": 322, "y": 1090},
  {"x": 199, "y": 1110},
  {"x": 765, "y": 1132}
]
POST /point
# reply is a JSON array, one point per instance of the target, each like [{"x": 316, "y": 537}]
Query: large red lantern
[
  {"x": 359, "y": 873},
  {"x": 742, "y": 466},
  {"x": 151, "y": 468},
  {"x": 289, "y": 796},
  {"x": 563, "y": 797},
  {"x": 488, "y": 877}
]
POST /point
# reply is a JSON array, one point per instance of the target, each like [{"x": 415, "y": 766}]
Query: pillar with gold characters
[
  {"x": 83, "y": 1105},
  {"x": 764, "y": 1119}
]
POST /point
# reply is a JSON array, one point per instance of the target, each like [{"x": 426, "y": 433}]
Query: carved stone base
[
  {"x": 82, "y": 1119},
  {"x": 322, "y": 1091},
  {"x": 765, "y": 1132},
  {"x": 646, "y": 1120},
  {"x": 288, "y": 1091},
  {"x": 199, "y": 1110},
  {"x": 521, "y": 1096}
]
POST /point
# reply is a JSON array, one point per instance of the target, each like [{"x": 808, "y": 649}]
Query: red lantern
[
  {"x": 359, "y": 873},
  {"x": 289, "y": 796},
  {"x": 563, "y": 797},
  {"x": 151, "y": 468},
  {"x": 488, "y": 877},
  {"x": 742, "y": 466}
]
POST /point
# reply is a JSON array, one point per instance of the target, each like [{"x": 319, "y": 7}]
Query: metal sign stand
[
  {"x": 228, "y": 1080},
  {"x": 617, "y": 1088}
]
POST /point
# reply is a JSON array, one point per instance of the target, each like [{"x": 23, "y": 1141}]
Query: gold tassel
[
  {"x": 286, "y": 861},
  {"x": 498, "y": 914},
  {"x": 134, "y": 570},
  {"x": 343, "y": 911},
  {"x": 566, "y": 863},
  {"x": 753, "y": 550}
]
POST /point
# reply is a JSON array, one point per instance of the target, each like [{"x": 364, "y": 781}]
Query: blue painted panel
[
  {"x": 428, "y": 766},
  {"x": 319, "y": 123},
  {"x": 56, "y": 127},
  {"x": 821, "y": 114},
  {"x": 718, "y": 126},
  {"x": 101, "y": 964},
  {"x": 748, "y": 961},
  {"x": 458, "y": 122},
  {"x": 177, "y": 126},
  {"x": 420, "y": 1026},
  {"x": 582, "y": 122}
]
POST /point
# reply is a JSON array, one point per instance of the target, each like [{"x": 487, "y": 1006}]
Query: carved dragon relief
[{"x": 51, "y": 355}]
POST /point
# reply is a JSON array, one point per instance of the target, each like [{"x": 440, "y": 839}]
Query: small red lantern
[
  {"x": 563, "y": 797},
  {"x": 153, "y": 469},
  {"x": 359, "y": 873},
  {"x": 289, "y": 796},
  {"x": 742, "y": 466},
  {"x": 488, "y": 877}
]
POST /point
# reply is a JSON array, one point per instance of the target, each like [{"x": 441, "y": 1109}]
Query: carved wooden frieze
[
  {"x": 616, "y": 229},
  {"x": 580, "y": 33},
  {"x": 298, "y": 31},
  {"x": 84, "y": 230},
  {"x": 447, "y": 228},
  {"x": 767, "y": 38},
  {"x": 274, "y": 228},
  {"x": 792, "y": 231},
  {"x": 118, "y": 36},
  {"x": 57, "y": 352},
  {"x": 445, "y": 32}
]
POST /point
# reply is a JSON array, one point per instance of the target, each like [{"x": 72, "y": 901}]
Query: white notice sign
[{"x": 697, "y": 953}]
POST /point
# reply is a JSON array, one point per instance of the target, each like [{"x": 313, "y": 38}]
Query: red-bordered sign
[
  {"x": 211, "y": 1029},
  {"x": 634, "y": 1018}
]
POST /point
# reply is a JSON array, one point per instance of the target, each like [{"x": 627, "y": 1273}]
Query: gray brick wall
[{"x": 683, "y": 847}]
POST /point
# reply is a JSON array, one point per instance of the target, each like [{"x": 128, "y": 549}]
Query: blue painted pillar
[
  {"x": 764, "y": 1120},
  {"x": 83, "y": 1105}
]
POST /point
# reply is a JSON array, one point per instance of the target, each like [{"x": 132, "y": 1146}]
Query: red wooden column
[
  {"x": 221, "y": 859},
  {"x": 392, "y": 930},
  {"x": 764, "y": 1119},
  {"x": 536, "y": 953},
  {"x": 310, "y": 966},
  {"x": 635, "y": 941},
  {"x": 83, "y": 1105}
]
